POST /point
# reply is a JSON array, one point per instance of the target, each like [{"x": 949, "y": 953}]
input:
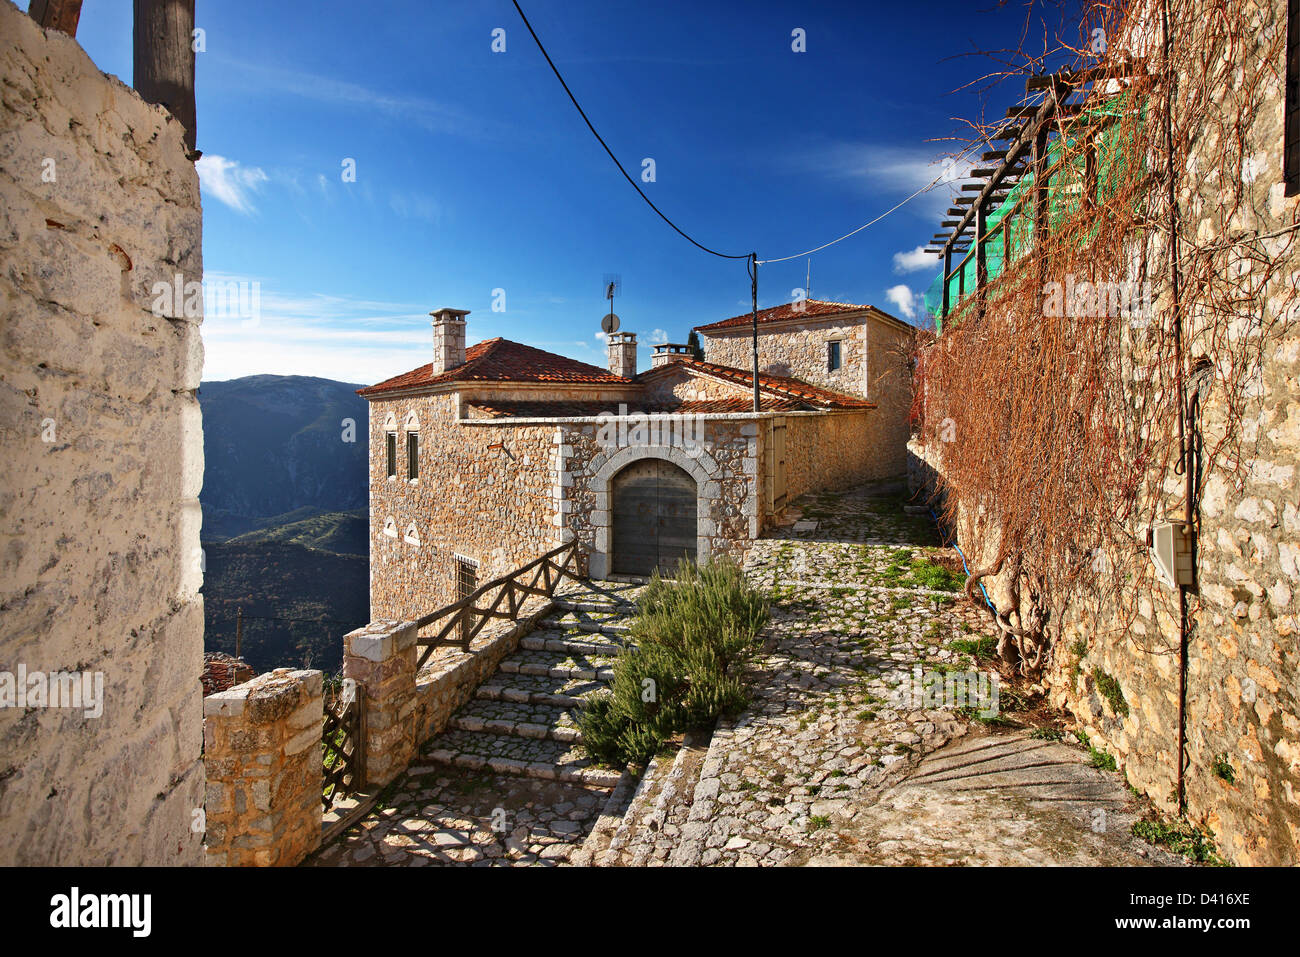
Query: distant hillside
[
  {"x": 274, "y": 445},
  {"x": 346, "y": 533},
  {"x": 298, "y": 602},
  {"x": 284, "y": 518}
]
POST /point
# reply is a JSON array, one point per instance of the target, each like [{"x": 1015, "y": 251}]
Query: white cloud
[
  {"x": 903, "y": 299},
  {"x": 891, "y": 171},
  {"x": 914, "y": 260},
  {"x": 657, "y": 337},
  {"x": 230, "y": 182}
]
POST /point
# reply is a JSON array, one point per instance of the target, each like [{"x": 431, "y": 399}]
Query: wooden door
[{"x": 654, "y": 512}]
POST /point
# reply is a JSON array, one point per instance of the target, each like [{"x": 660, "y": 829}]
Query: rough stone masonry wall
[
  {"x": 484, "y": 492},
  {"x": 874, "y": 354},
  {"x": 1244, "y": 660},
  {"x": 102, "y": 462},
  {"x": 262, "y": 748},
  {"x": 797, "y": 349},
  {"x": 835, "y": 451},
  {"x": 726, "y": 472}
]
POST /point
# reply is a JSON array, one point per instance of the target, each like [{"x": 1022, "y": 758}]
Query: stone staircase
[{"x": 523, "y": 719}]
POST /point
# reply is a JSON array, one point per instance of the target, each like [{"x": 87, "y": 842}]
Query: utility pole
[
  {"x": 239, "y": 630},
  {"x": 753, "y": 288}
]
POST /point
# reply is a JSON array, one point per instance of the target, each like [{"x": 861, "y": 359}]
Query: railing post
[{"x": 381, "y": 658}]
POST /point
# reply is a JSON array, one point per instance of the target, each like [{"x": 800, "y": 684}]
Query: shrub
[{"x": 693, "y": 637}]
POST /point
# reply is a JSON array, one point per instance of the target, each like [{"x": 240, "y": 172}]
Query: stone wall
[
  {"x": 101, "y": 465},
  {"x": 1243, "y": 677},
  {"x": 724, "y": 464},
  {"x": 836, "y": 451},
  {"x": 262, "y": 750},
  {"x": 483, "y": 492}
]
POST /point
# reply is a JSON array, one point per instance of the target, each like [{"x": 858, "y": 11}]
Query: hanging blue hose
[{"x": 964, "y": 566}]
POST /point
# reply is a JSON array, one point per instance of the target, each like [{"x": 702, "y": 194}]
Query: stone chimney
[
  {"x": 622, "y": 354},
  {"x": 670, "y": 352},
  {"x": 448, "y": 339}
]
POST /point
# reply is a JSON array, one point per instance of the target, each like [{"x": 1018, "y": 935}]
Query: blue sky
[{"x": 474, "y": 173}]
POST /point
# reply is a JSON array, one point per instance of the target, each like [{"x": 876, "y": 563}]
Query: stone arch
[
  {"x": 702, "y": 467},
  {"x": 412, "y": 422},
  {"x": 390, "y": 422},
  {"x": 412, "y": 535},
  {"x": 390, "y": 527}
]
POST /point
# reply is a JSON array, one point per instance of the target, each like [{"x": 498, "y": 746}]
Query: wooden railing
[
  {"x": 343, "y": 737},
  {"x": 467, "y": 617}
]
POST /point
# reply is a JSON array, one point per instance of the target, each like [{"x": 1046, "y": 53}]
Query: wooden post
[
  {"x": 62, "y": 15},
  {"x": 947, "y": 277},
  {"x": 164, "y": 59},
  {"x": 981, "y": 264}
]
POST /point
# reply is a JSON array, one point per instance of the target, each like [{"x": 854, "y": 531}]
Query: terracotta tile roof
[
  {"x": 221, "y": 672},
  {"x": 500, "y": 360},
  {"x": 811, "y": 309},
  {"x": 504, "y": 409},
  {"x": 780, "y": 386}
]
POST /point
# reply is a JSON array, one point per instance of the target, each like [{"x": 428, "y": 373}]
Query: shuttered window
[
  {"x": 391, "y": 443},
  {"x": 412, "y": 455},
  {"x": 1291, "y": 155}
]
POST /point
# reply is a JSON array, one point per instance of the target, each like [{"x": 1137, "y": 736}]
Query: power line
[
  {"x": 602, "y": 142},
  {"x": 808, "y": 252}
]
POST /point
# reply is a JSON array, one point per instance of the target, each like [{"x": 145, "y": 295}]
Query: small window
[
  {"x": 832, "y": 356},
  {"x": 392, "y": 454},
  {"x": 412, "y": 455},
  {"x": 1291, "y": 129}
]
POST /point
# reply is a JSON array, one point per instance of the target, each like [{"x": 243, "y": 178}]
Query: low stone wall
[
  {"x": 405, "y": 708},
  {"x": 262, "y": 753}
]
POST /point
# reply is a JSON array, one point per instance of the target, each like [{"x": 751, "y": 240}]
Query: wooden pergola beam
[
  {"x": 61, "y": 15},
  {"x": 164, "y": 59}
]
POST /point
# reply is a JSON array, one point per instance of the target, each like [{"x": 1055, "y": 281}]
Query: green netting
[{"x": 1065, "y": 194}]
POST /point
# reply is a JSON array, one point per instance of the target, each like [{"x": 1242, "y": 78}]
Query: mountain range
[{"x": 285, "y": 526}]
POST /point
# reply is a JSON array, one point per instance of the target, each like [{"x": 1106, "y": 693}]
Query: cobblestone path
[
  {"x": 507, "y": 782},
  {"x": 862, "y": 601}
]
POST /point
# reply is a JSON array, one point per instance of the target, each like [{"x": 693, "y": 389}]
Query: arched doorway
[{"x": 655, "y": 516}]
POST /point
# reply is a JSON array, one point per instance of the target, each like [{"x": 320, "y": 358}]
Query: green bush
[{"x": 693, "y": 637}]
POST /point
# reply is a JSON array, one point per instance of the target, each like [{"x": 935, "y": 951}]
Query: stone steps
[
  {"x": 523, "y": 720},
  {"x": 538, "y": 689},
  {"x": 574, "y": 643},
  {"x": 560, "y": 664},
  {"x": 510, "y": 754}
]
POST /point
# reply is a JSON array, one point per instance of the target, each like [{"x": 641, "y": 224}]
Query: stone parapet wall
[
  {"x": 102, "y": 462},
  {"x": 262, "y": 749}
]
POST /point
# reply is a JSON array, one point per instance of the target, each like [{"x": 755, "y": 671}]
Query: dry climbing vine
[{"x": 1060, "y": 428}]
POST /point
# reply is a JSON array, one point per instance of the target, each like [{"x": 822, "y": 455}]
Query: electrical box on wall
[{"x": 1171, "y": 550}]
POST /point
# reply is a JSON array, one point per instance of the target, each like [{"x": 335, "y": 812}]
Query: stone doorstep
[{"x": 595, "y": 777}]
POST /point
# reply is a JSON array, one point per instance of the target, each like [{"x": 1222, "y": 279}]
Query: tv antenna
[{"x": 613, "y": 285}]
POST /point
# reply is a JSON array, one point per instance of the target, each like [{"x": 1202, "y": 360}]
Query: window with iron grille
[
  {"x": 832, "y": 356},
  {"x": 412, "y": 455},
  {"x": 466, "y": 584},
  {"x": 391, "y": 443},
  {"x": 1291, "y": 135}
]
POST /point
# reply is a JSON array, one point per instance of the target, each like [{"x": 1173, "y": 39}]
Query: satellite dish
[{"x": 609, "y": 325}]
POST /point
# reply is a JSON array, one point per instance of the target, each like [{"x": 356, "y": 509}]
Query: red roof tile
[
  {"x": 785, "y": 387},
  {"x": 494, "y": 409},
  {"x": 500, "y": 360},
  {"x": 790, "y": 311}
]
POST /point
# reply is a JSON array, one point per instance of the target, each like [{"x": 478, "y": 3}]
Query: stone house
[{"x": 489, "y": 456}]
